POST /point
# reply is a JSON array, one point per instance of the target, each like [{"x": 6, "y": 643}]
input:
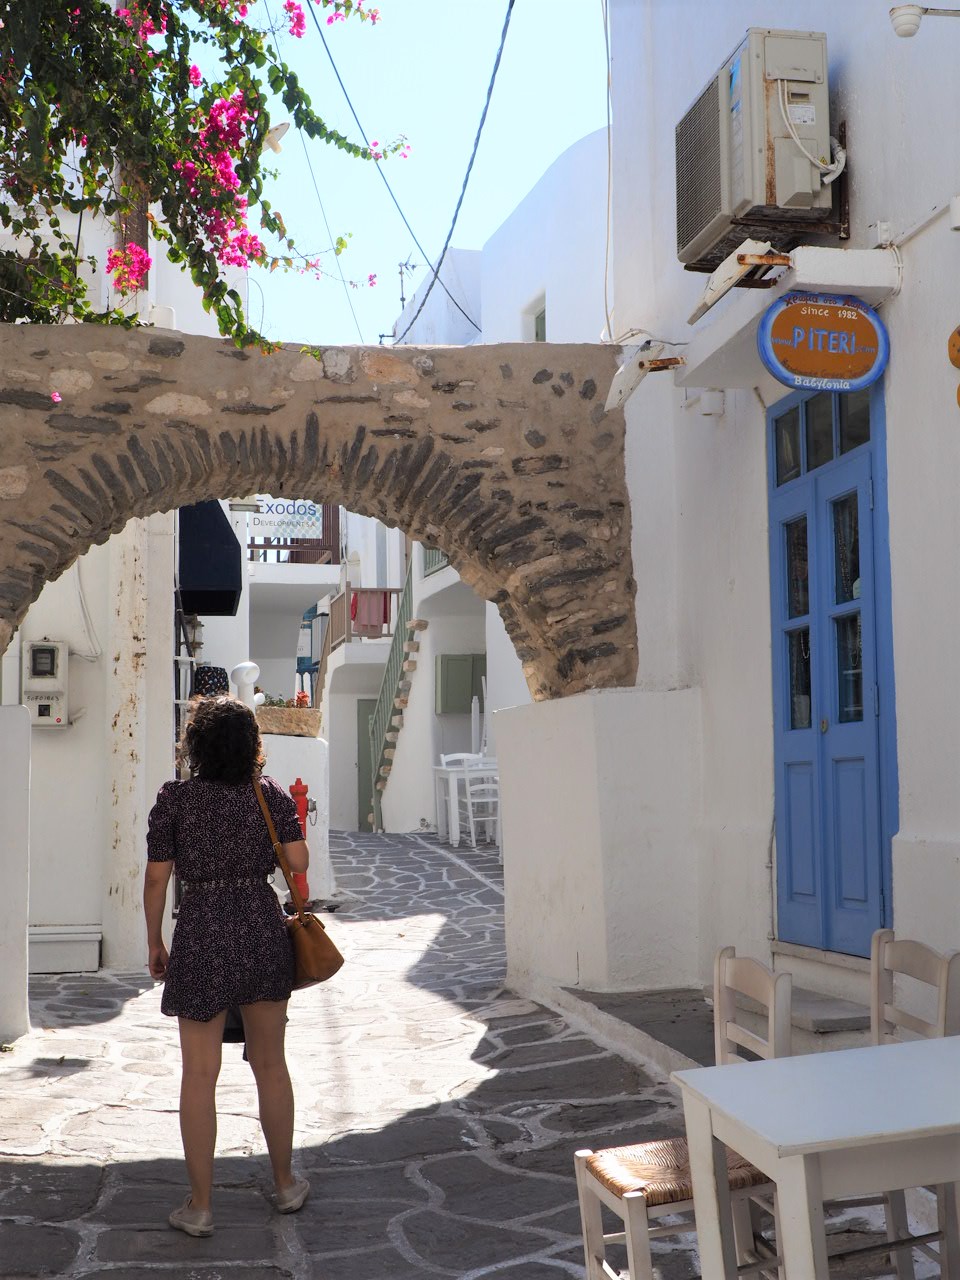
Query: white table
[
  {"x": 447, "y": 780},
  {"x": 823, "y": 1126}
]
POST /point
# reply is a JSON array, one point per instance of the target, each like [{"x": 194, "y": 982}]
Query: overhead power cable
[
  {"x": 383, "y": 176},
  {"x": 466, "y": 176},
  {"x": 336, "y": 256},
  {"x": 323, "y": 212}
]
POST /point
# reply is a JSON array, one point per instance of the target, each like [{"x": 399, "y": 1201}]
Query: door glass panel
[
  {"x": 819, "y": 412},
  {"x": 798, "y": 592},
  {"x": 799, "y": 651},
  {"x": 854, "y": 419},
  {"x": 788, "y": 446},
  {"x": 849, "y": 668},
  {"x": 846, "y": 545}
]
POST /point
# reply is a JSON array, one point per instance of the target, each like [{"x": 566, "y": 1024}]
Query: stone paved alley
[{"x": 437, "y": 1114}]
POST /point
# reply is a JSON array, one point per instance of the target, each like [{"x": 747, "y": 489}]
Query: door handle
[{"x": 824, "y": 725}]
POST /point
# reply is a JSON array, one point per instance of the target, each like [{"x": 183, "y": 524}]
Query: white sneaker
[
  {"x": 290, "y": 1199},
  {"x": 195, "y": 1222}
]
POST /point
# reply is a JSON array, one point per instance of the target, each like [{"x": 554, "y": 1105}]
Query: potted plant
[{"x": 293, "y": 716}]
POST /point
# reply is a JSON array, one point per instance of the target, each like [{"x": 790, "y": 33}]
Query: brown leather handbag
[{"x": 315, "y": 955}]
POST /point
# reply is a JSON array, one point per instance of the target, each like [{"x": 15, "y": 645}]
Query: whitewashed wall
[
  {"x": 289, "y": 758},
  {"x": 549, "y": 253},
  {"x": 15, "y": 732},
  {"x": 506, "y": 684},
  {"x": 456, "y": 624}
]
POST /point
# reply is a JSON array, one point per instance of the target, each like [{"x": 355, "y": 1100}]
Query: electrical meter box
[{"x": 44, "y": 671}]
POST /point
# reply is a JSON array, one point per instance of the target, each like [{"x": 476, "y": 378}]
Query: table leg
[
  {"x": 711, "y": 1193},
  {"x": 801, "y": 1241},
  {"x": 440, "y": 788},
  {"x": 453, "y": 809},
  {"x": 948, "y": 1202}
]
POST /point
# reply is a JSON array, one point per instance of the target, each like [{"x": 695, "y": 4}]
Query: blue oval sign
[{"x": 816, "y": 341}]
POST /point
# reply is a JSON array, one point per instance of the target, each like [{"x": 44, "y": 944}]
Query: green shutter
[{"x": 454, "y": 683}]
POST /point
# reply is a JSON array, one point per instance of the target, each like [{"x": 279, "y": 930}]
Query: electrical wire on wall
[
  {"x": 383, "y": 176},
  {"x": 466, "y": 177},
  {"x": 829, "y": 171},
  {"x": 96, "y": 649}
]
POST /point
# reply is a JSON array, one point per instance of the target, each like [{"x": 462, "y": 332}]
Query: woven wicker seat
[
  {"x": 651, "y": 1180},
  {"x": 661, "y": 1171}
]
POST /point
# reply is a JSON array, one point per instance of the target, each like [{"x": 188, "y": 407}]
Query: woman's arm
[
  {"x": 156, "y": 877},
  {"x": 297, "y": 855}
]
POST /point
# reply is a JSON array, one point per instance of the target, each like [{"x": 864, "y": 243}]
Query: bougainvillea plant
[{"x": 155, "y": 114}]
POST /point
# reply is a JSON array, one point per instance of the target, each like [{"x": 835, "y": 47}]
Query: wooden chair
[
  {"x": 480, "y": 805},
  {"x": 889, "y": 958},
  {"x": 651, "y": 1180}
]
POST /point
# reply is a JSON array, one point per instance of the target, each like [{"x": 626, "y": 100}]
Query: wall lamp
[
  {"x": 906, "y": 18},
  {"x": 276, "y": 132}
]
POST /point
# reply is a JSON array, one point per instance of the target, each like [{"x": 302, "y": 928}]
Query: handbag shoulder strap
[{"x": 278, "y": 849}]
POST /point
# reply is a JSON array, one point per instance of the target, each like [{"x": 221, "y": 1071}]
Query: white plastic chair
[
  {"x": 940, "y": 972},
  {"x": 480, "y": 805},
  {"x": 467, "y": 760},
  {"x": 651, "y": 1180}
]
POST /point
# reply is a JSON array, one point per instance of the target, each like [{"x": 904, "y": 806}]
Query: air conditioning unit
[{"x": 741, "y": 168}]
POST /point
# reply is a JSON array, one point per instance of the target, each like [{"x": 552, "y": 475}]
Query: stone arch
[{"x": 503, "y": 456}]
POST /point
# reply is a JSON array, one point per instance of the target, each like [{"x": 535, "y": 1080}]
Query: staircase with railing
[
  {"x": 387, "y": 719},
  {"x": 434, "y": 559}
]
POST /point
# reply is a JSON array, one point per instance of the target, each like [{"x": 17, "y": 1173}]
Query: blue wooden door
[{"x": 830, "y": 838}]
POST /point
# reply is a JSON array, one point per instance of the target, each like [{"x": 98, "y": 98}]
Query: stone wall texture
[{"x": 503, "y": 456}]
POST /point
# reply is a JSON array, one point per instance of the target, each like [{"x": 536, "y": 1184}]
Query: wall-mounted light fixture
[
  {"x": 906, "y": 18},
  {"x": 637, "y": 363},
  {"x": 276, "y": 132}
]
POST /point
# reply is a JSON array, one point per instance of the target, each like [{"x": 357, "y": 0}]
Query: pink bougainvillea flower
[
  {"x": 56, "y": 397},
  {"x": 298, "y": 23},
  {"x": 372, "y": 279},
  {"x": 195, "y": 76},
  {"x": 128, "y": 266}
]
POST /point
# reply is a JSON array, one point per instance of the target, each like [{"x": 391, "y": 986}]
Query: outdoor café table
[
  {"x": 447, "y": 783},
  {"x": 823, "y": 1126}
]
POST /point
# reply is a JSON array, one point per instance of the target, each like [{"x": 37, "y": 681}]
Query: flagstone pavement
[{"x": 437, "y": 1114}]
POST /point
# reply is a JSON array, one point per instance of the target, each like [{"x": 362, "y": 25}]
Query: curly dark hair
[{"x": 221, "y": 741}]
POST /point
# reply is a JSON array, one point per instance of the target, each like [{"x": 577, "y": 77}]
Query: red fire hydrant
[{"x": 299, "y": 792}]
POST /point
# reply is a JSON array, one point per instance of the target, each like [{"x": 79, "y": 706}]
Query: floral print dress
[{"x": 230, "y": 943}]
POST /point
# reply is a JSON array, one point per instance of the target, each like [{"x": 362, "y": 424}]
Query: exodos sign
[
  {"x": 286, "y": 518},
  {"x": 824, "y": 343}
]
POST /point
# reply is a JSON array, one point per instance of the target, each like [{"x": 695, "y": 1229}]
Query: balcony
[
  {"x": 322, "y": 550},
  {"x": 367, "y": 614}
]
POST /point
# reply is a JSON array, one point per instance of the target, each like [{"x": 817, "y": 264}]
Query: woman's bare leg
[
  {"x": 265, "y": 1027},
  {"x": 200, "y": 1049}
]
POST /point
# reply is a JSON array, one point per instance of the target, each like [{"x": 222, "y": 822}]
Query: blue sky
[{"x": 423, "y": 71}]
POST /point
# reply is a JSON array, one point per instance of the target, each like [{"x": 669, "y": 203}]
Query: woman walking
[{"x": 230, "y": 945}]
